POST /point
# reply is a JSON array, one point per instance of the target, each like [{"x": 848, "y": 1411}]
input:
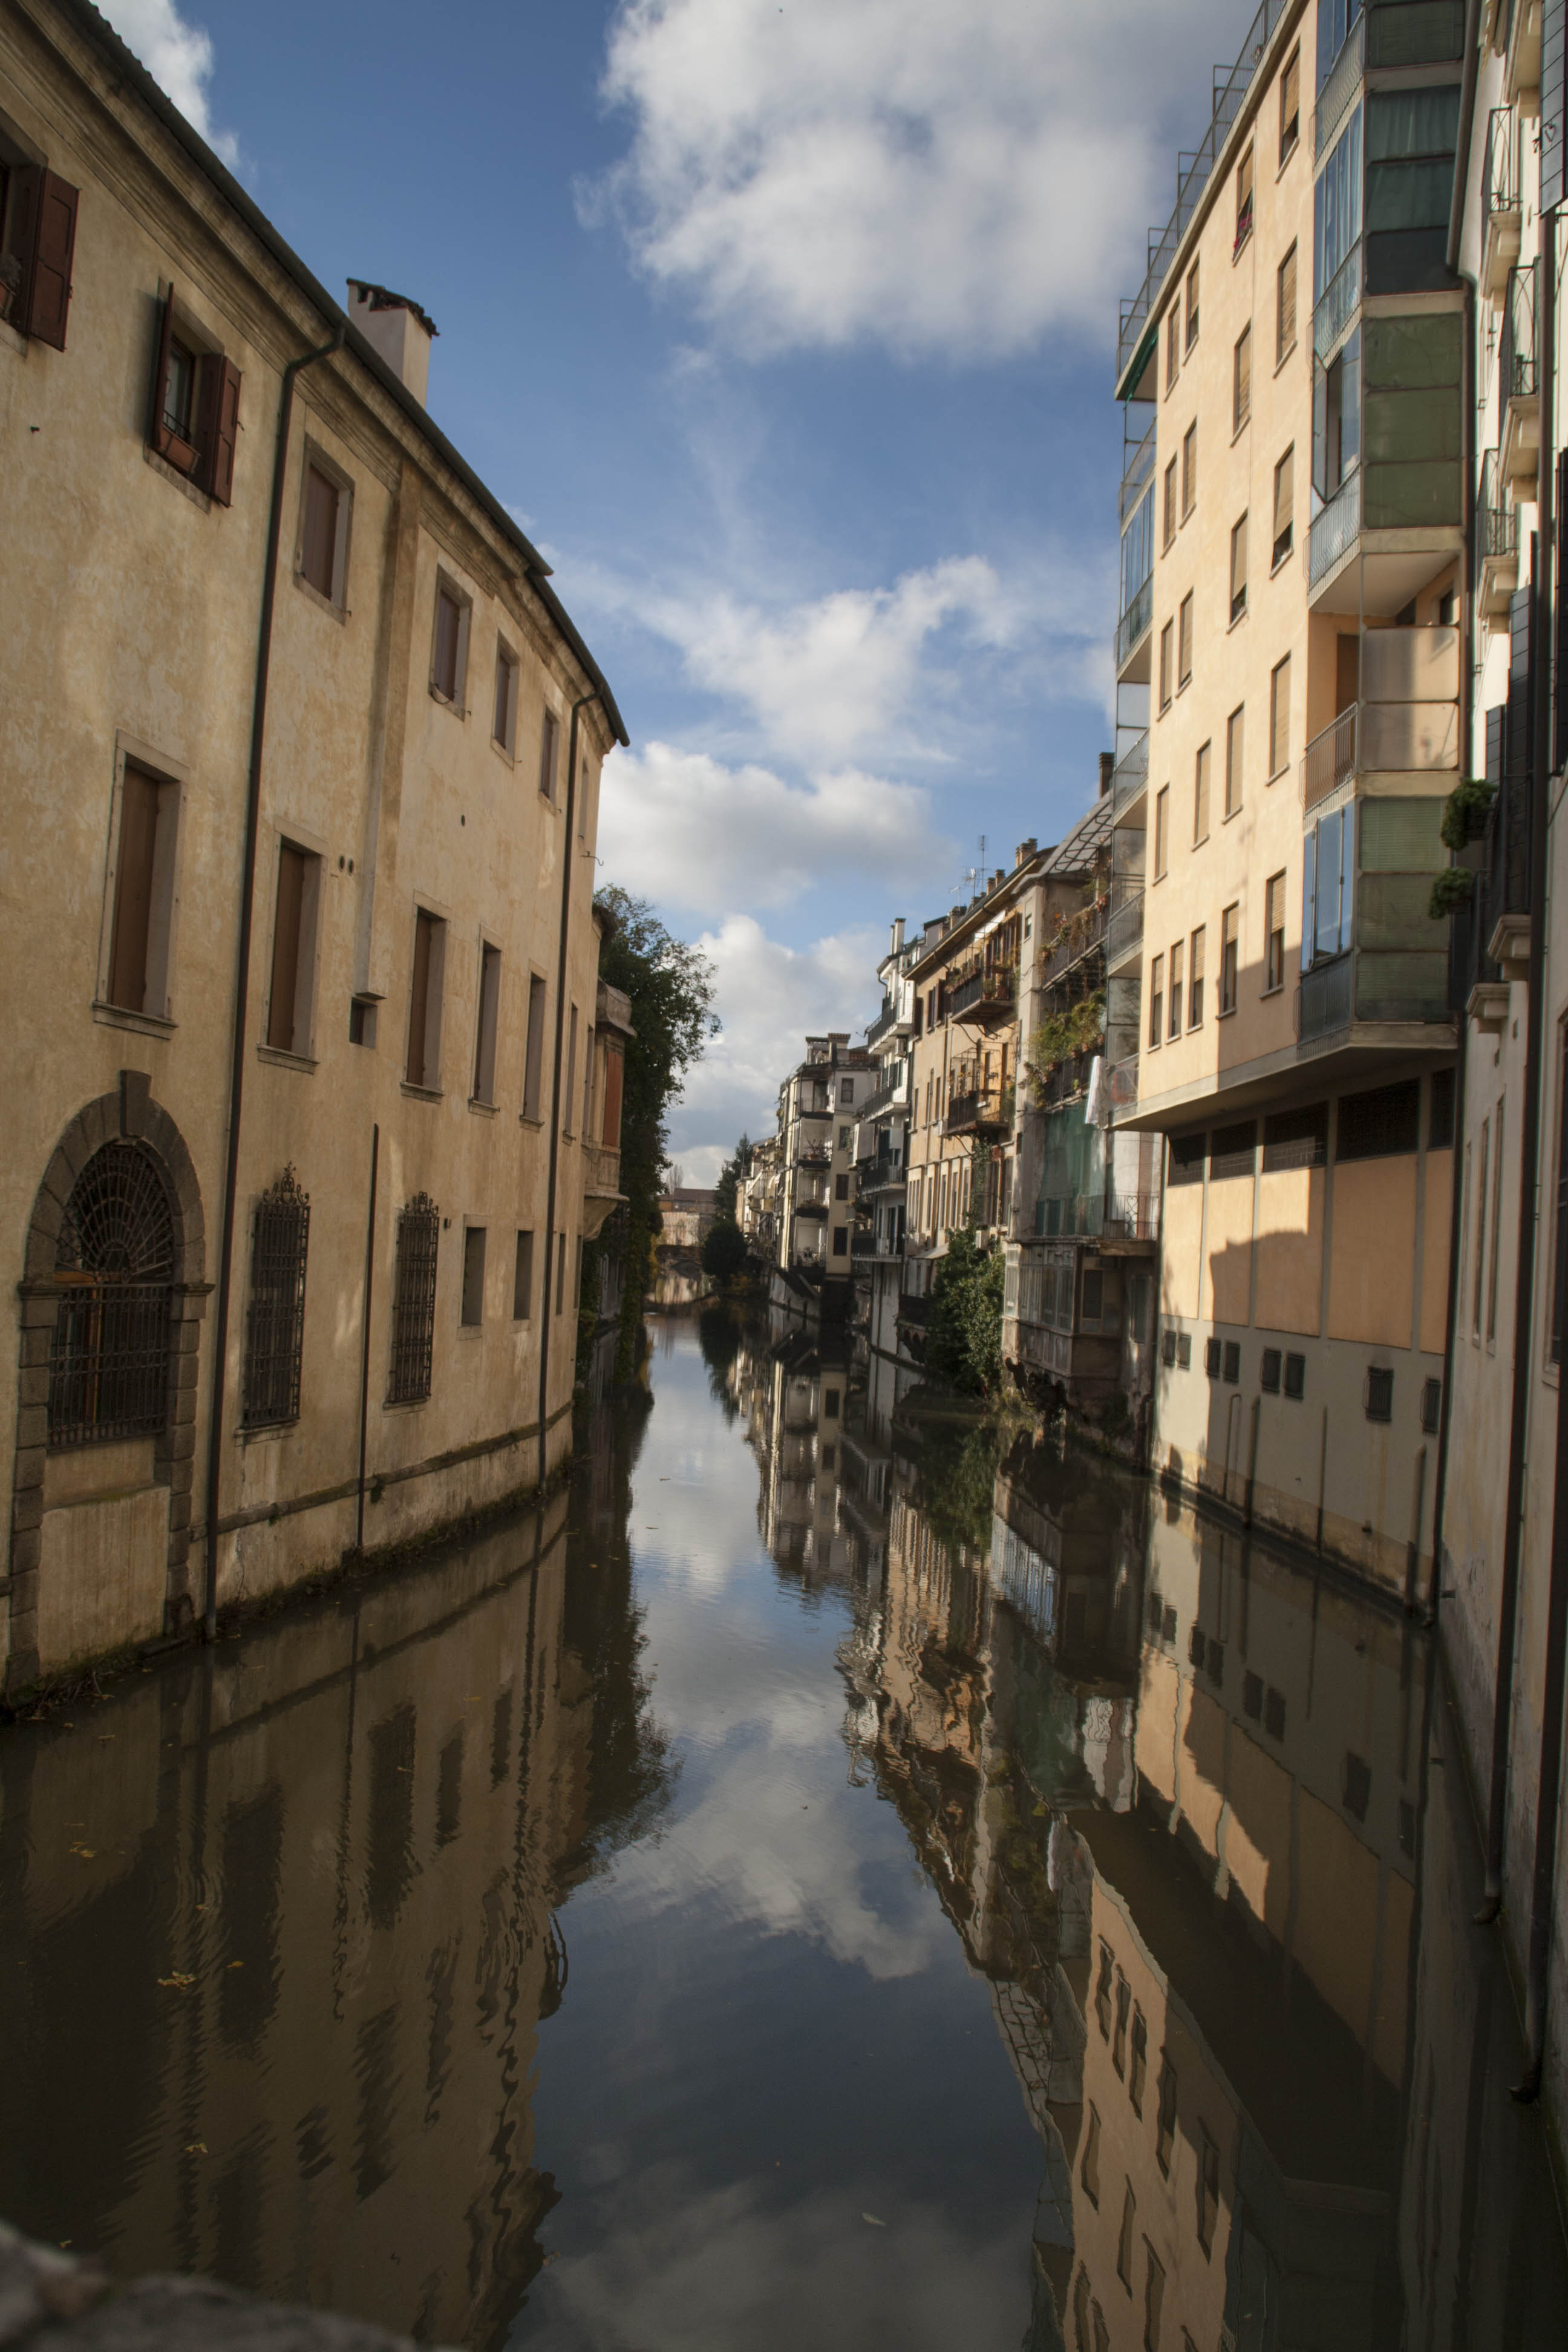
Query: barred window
[
  {"x": 1296, "y": 1139},
  {"x": 1235, "y": 1149},
  {"x": 1378, "y": 1396},
  {"x": 414, "y": 1301},
  {"x": 1188, "y": 1153},
  {"x": 1295, "y": 1377},
  {"x": 114, "y": 1262},
  {"x": 1212, "y": 1352},
  {"x": 1269, "y": 1379},
  {"x": 1379, "y": 1124},
  {"x": 275, "y": 1325},
  {"x": 1232, "y": 1362}
]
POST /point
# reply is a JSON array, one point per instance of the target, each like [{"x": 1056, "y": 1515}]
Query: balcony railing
[
  {"x": 1365, "y": 985},
  {"x": 602, "y": 1169},
  {"x": 1499, "y": 184},
  {"x": 1517, "y": 376},
  {"x": 1124, "y": 932},
  {"x": 1130, "y": 778},
  {"x": 1503, "y": 885},
  {"x": 1335, "y": 530},
  {"x": 914, "y": 1309},
  {"x": 1329, "y": 759},
  {"x": 1407, "y": 722},
  {"x": 994, "y": 991},
  {"x": 879, "y": 1175},
  {"x": 1132, "y": 1216},
  {"x": 813, "y": 1155},
  {"x": 970, "y": 1114},
  {"x": 1083, "y": 934},
  {"x": 887, "y": 1021},
  {"x": 815, "y": 1209},
  {"x": 1136, "y": 473},
  {"x": 1341, "y": 302},
  {"x": 1134, "y": 623},
  {"x": 1344, "y": 79},
  {"x": 886, "y": 1096}
]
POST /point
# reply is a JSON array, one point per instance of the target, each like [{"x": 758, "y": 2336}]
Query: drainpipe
[
  {"x": 1530, "y": 1136},
  {"x": 242, "y": 972},
  {"x": 547, "y": 1303},
  {"x": 1538, "y": 1961}
]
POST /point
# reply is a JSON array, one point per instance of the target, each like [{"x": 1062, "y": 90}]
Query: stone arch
[{"x": 129, "y": 1114}]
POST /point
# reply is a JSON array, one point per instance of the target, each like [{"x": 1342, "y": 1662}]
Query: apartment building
[
  {"x": 882, "y": 1149},
  {"x": 1078, "y": 1308},
  {"x": 815, "y": 1216},
  {"x": 1289, "y": 661},
  {"x": 314, "y": 1100}
]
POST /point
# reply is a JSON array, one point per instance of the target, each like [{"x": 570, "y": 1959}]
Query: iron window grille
[
  {"x": 1380, "y": 1124},
  {"x": 1212, "y": 1353},
  {"x": 1184, "y": 1351},
  {"x": 1270, "y": 1382},
  {"x": 114, "y": 1262},
  {"x": 1234, "y": 1150},
  {"x": 1378, "y": 1399},
  {"x": 1168, "y": 1348},
  {"x": 414, "y": 1301},
  {"x": 1232, "y": 1362},
  {"x": 1295, "y": 1377},
  {"x": 1431, "y": 1406},
  {"x": 1216, "y": 1663},
  {"x": 1189, "y": 1155},
  {"x": 1296, "y": 1139},
  {"x": 275, "y": 1325}
]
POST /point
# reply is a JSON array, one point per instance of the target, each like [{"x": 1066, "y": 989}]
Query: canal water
[{"x": 839, "y": 1877}]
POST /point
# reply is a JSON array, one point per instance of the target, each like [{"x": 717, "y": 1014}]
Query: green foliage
[
  {"x": 731, "y": 1176},
  {"x": 963, "y": 1344},
  {"x": 956, "y": 1466},
  {"x": 1076, "y": 1031},
  {"x": 1455, "y": 886},
  {"x": 670, "y": 984},
  {"x": 724, "y": 1253},
  {"x": 1465, "y": 812}
]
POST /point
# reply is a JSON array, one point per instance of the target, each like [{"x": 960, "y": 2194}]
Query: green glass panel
[
  {"x": 1406, "y": 354},
  {"x": 1409, "y": 195},
  {"x": 1415, "y": 33},
  {"x": 1391, "y": 911},
  {"x": 1412, "y": 427},
  {"x": 1403, "y": 987},
  {"x": 1400, "y": 836},
  {"x": 1405, "y": 497}
]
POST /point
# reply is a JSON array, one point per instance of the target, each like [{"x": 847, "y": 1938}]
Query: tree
[
  {"x": 731, "y": 1176},
  {"x": 670, "y": 984},
  {"x": 724, "y": 1252},
  {"x": 964, "y": 1341}
]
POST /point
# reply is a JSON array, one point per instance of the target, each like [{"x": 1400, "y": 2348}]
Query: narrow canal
[{"x": 831, "y": 1881}]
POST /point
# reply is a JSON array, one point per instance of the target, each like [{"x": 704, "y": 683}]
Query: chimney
[
  {"x": 1107, "y": 770},
  {"x": 1025, "y": 851},
  {"x": 898, "y": 933},
  {"x": 400, "y": 331}
]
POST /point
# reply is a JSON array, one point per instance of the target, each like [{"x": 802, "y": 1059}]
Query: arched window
[{"x": 114, "y": 1262}]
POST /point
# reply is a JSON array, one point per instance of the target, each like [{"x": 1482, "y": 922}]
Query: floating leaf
[{"x": 176, "y": 1979}]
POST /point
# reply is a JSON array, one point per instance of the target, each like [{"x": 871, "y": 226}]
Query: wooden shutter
[
  {"x": 49, "y": 274},
  {"x": 133, "y": 891},
  {"x": 218, "y": 427},
  {"x": 157, "y": 432},
  {"x": 285, "y": 949},
  {"x": 1284, "y": 500},
  {"x": 1243, "y": 377},
  {"x": 419, "y": 998},
  {"x": 1286, "y": 303}
]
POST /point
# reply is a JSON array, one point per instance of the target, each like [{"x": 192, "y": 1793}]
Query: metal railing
[
  {"x": 885, "y": 1096},
  {"x": 1124, "y": 932},
  {"x": 1329, "y": 759},
  {"x": 1499, "y": 184},
  {"x": 1341, "y": 302},
  {"x": 1191, "y": 180},
  {"x": 1336, "y": 528},
  {"x": 968, "y": 1113},
  {"x": 996, "y": 988},
  {"x": 1496, "y": 517},
  {"x": 1517, "y": 377},
  {"x": 1326, "y": 997},
  {"x": 1130, "y": 778},
  {"x": 813, "y": 1155},
  {"x": 1503, "y": 886},
  {"x": 1132, "y": 1216},
  {"x": 886, "y": 1022},
  {"x": 1343, "y": 81},
  {"x": 1083, "y": 938},
  {"x": 914, "y": 1309},
  {"x": 1136, "y": 473},
  {"x": 1134, "y": 623}
]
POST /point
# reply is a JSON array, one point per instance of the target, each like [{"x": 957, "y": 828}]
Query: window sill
[
  {"x": 1236, "y": 619},
  {"x": 470, "y": 1331},
  {"x": 265, "y": 1433},
  {"x": 448, "y": 702},
  {"x": 12, "y": 339},
  {"x": 481, "y": 1109},
  {"x": 304, "y": 1062},
  {"x": 1278, "y": 773},
  {"x": 328, "y": 604},
  {"x": 1278, "y": 990},
  {"x": 500, "y": 749},
  {"x": 1199, "y": 839},
  {"x": 1183, "y": 684},
  {"x": 1232, "y": 814},
  {"x": 1287, "y": 354},
  {"x": 1239, "y": 248},
  {"x": 1239, "y": 429},
  {"x": 1226, "y": 1012},
  {"x": 419, "y": 1094},
  {"x": 523, "y": 1120},
  {"x": 1281, "y": 561},
  {"x": 403, "y": 1405},
  {"x": 146, "y": 1024},
  {"x": 159, "y": 465},
  {"x": 1187, "y": 514}
]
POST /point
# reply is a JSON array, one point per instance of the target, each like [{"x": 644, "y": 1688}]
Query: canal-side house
[
  {"x": 1289, "y": 663},
  {"x": 882, "y": 1150},
  {"x": 814, "y": 1217},
  {"x": 757, "y": 1206},
  {"x": 303, "y": 760},
  {"x": 1078, "y": 1313}
]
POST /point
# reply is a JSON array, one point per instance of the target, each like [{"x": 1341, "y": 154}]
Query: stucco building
[
  {"x": 312, "y": 1101},
  {"x": 814, "y": 1217}
]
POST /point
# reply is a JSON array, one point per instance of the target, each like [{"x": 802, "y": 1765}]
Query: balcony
[
  {"x": 1500, "y": 211},
  {"x": 815, "y": 1110},
  {"x": 1338, "y": 309},
  {"x": 1339, "y": 90},
  {"x": 887, "y": 1021},
  {"x": 1124, "y": 930},
  {"x": 1407, "y": 723},
  {"x": 1335, "y": 530},
  {"x": 894, "y": 1095},
  {"x": 812, "y": 1155},
  {"x": 815, "y": 1209},
  {"x": 1130, "y": 780},
  {"x": 987, "y": 1111},
  {"x": 984, "y": 999},
  {"x": 1081, "y": 936},
  {"x": 1132, "y": 1216},
  {"x": 1133, "y": 636},
  {"x": 885, "y": 1173},
  {"x": 1497, "y": 540},
  {"x": 1135, "y": 473},
  {"x": 1519, "y": 385},
  {"x": 1371, "y": 987},
  {"x": 913, "y": 1310}
]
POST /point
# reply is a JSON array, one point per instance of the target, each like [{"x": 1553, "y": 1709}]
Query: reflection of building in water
[
  {"x": 1167, "y": 1790},
  {"x": 291, "y": 1925},
  {"x": 801, "y": 1391}
]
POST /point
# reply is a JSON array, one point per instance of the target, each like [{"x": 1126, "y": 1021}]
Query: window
[
  {"x": 588, "y": 1067},
  {"x": 1560, "y": 1271},
  {"x": 1295, "y": 1377},
  {"x": 1170, "y": 503},
  {"x": 560, "y": 1272},
  {"x": 196, "y": 409},
  {"x": 1440, "y": 1129},
  {"x": 450, "y": 646},
  {"x": 1139, "y": 2047},
  {"x": 288, "y": 1004},
  {"x": 1431, "y": 1407},
  {"x": 1284, "y": 507},
  {"x": 1172, "y": 346},
  {"x": 1242, "y": 201},
  {"x": 1168, "y": 1348},
  {"x": 1213, "y": 1355},
  {"x": 1189, "y": 1159},
  {"x": 322, "y": 561},
  {"x": 503, "y": 726},
  {"x": 1156, "y": 999},
  {"x": 1208, "y": 2187},
  {"x": 847, "y": 1094},
  {"x": 1234, "y": 1150},
  {"x": 1268, "y": 1377},
  {"x": 1274, "y": 1713},
  {"x": 1289, "y": 106},
  {"x": 1234, "y": 746},
  {"x": 523, "y": 1279},
  {"x": 485, "y": 1032},
  {"x": 1124, "y": 2238},
  {"x": 473, "y": 1306},
  {"x": 362, "y": 1022},
  {"x": 841, "y": 1188},
  {"x": 1166, "y": 636},
  {"x": 109, "y": 1359},
  {"x": 1496, "y": 1230},
  {"x": 1183, "y": 1351},
  {"x": 1195, "y": 949},
  {"x": 1192, "y": 333},
  {"x": 37, "y": 216},
  {"x": 1153, "y": 2298},
  {"x": 1274, "y": 934},
  {"x": 1088, "y": 2170},
  {"x": 1189, "y": 469},
  {"x": 1232, "y": 1362},
  {"x": 140, "y": 928},
  {"x": 1241, "y": 380},
  {"x": 570, "y": 1089},
  {"x": 1252, "y": 1696},
  {"x": 549, "y": 754},
  {"x": 844, "y": 1134},
  {"x": 425, "y": 1001},
  {"x": 534, "y": 1072},
  {"x": 1238, "y": 569},
  {"x": 1377, "y": 1393},
  {"x": 1285, "y": 308},
  {"x": 1279, "y": 719},
  {"x": 1165, "y": 2121},
  {"x": 1175, "y": 1028},
  {"x": 1381, "y": 1124},
  {"x": 1102, "y": 1993},
  {"x": 1185, "y": 641},
  {"x": 414, "y": 1301},
  {"x": 275, "y": 1320},
  {"x": 1162, "y": 831},
  {"x": 1357, "y": 1785},
  {"x": 1201, "y": 794},
  {"x": 840, "y": 1241},
  {"x": 1229, "y": 932}
]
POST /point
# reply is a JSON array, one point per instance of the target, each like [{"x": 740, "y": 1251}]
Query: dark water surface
[{"x": 826, "y": 1883}]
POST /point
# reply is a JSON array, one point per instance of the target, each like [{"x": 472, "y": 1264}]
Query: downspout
[
  {"x": 547, "y": 1303},
  {"x": 1530, "y": 1136},
  {"x": 242, "y": 974},
  {"x": 1538, "y": 1961}
]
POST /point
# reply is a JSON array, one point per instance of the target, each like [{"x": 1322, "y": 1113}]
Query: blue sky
[{"x": 787, "y": 331}]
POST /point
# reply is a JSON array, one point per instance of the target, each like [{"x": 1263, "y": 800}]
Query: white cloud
[
  {"x": 957, "y": 179},
  {"x": 683, "y": 829},
  {"x": 769, "y": 997},
  {"x": 178, "y": 56}
]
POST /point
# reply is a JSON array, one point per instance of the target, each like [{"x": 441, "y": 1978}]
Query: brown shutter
[
  {"x": 133, "y": 891},
  {"x": 54, "y": 244},
  {"x": 1287, "y": 303},
  {"x": 220, "y": 427},
  {"x": 157, "y": 431},
  {"x": 419, "y": 998},
  {"x": 285, "y": 949}
]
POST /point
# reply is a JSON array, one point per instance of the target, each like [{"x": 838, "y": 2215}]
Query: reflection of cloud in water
[{"x": 687, "y": 2267}]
